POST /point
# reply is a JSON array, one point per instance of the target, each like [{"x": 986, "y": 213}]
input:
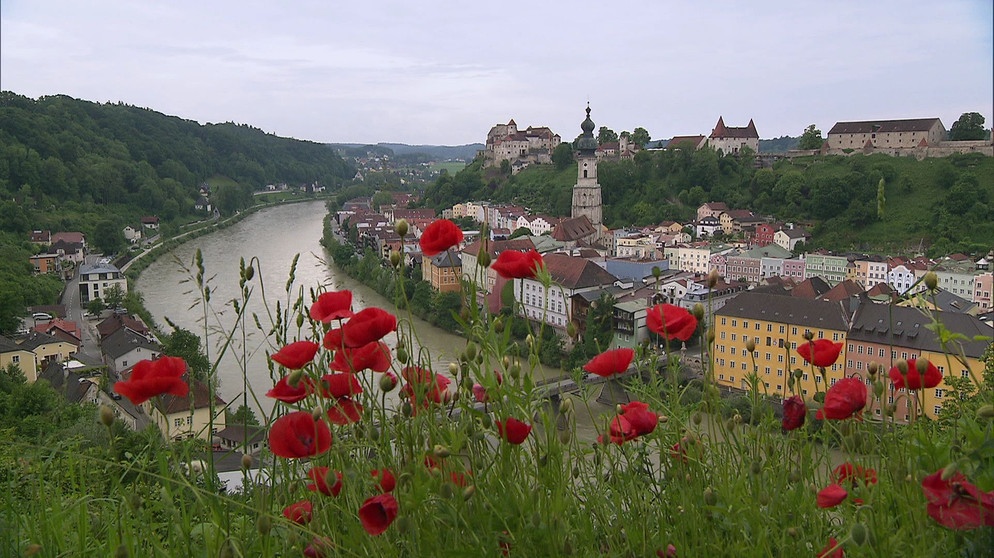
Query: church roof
[
  {"x": 573, "y": 229},
  {"x": 577, "y": 273}
]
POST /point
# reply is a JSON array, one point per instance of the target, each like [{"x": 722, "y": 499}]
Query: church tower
[{"x": 587, "y": 192}]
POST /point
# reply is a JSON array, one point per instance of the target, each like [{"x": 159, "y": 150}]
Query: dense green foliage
[
  {"x": 944, "y": 204},
  {"x": 19, "y": 287},
  {"x": 969, "y": 126}
]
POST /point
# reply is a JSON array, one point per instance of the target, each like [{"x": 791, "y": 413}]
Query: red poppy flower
[
  {"x": 319, "y": 547},
  {"x": 424, "y": 387},
  {"x": 670, "y": 552},
  {"x": 439, "y": 237},
  {"x": 286, "y": 393},
  {"x": 459, "y": 479},
  {"x": 848, "y": 471},
  {"x": 678, "y": 452},
  {"x": 320, "y": 476},
  {"x": 642, "y": 420},
  {"x": 671, "y": 322},
  {"x": 619, "y": 431},
  {"x": 846, "y": 398},
  {"x": 956, "y": 503},
  {"x": 832, "y": 550},
  {"x": 333, "y": 340},
  {"x": 385, "y": 479},
  {"x": 480, "y": 393},
  {"x": 338, "y": 385},
  {"x": 794, "y": 412},
  {"x": 513, "y": 264},
  {"x": 332, "y": 306},
  {"x": 299, "y": 435},
  {"x": 295, "y": 355},
  {"x": 513, "y": 430},
  {"x": 298, "y": 512},
  {"x": 913, "y": 381},
  {"x": 150, "y": 378},
  {"x": 372, "y": 356},
  {"x": 377, "y": 513},
  {"x": 820, "y": 352},
  {"x": 368, "y": 325},
  {"x": 344, "y": 411},
  {"x": 610, "y": 362},
  {"x": 831, "y": 496}
]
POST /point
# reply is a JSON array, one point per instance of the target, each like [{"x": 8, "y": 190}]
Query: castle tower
[{"x": 586, "y": 191}]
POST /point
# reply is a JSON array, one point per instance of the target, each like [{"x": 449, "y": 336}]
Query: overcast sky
[{"x": 431, "y": 72}]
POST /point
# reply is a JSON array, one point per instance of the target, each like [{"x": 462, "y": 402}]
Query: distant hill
[{"x": 433, "y": 152}]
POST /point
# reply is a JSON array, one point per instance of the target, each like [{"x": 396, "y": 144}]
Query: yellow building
[
  {"x": 443, "y": 271},
  {"x": 47, "y": 348},
  {"x": 776, "y": 324},
  {"x": 180, "y": 418},
  {"x": 12, "y": 353}
]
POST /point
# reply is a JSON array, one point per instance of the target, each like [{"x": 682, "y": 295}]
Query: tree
[
  {"x": 641, "y": 136},
  {"x": 970, "y": 126},
  {"x": 881, "y": 199},
  {"x": 606, "y": 135},
  {"x": 811, "y": 138},
  {"x": 520, "y": 231},
  {"x": 114, "y": 296},
  {"x": 95, "y": 306},
  {"x": 185, "y": 344},
  {"x": 243, "y": 415},
  {"x": 562, "y": 156},
  {"x": 108, "y": 237}
]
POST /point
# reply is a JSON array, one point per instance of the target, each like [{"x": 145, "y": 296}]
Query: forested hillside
[
  {"x": 941, "y": 204},
  {"x": 66, "y": 153}
]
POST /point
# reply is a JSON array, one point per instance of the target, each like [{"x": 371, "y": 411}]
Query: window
[
  {"x": 732, "y": 350},
  {"x": 780, "y": 359},
  {"x": 793, "y": 331},
  {"x": 851, "y": 347},
  {"x": 881, "y": 353},
  {"x": 783, "y": 329},
  {"x": 734, "y": 337},
  {"x": 757, "y": 327},
  {"x": 805, "y": 376},
  {"x": 769, "y": 327},
  {"x": 937, "y": 409},
  {"x": 723, "y": 321},
  {"x": 965, "y": 373},
  {"x": 15, "y": 359},
  {"x": 189, "y": 420},
  {"x": 745, "y": 324},
  {"x": 938, "y": 393},
  {"x": 849, "y": 363},
  {"x": 178, "y": 422}
]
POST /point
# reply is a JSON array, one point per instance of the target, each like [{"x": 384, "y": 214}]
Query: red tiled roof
[
  {"x": 576, "y": 273},
  {"x": 842, "y": 291},
  {"x": 573, "y": 229},
  {"x": 721, "y": 131},
  {"x": 883, "y": 126}
]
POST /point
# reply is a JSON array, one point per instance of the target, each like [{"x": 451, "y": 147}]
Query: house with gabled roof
[
  {"x": 574, "y": 231},
  {"x": 180, "y": 418},
  {"x": 730, "y": 140},
  {"x": 116, "y": 321},
  {"x": 572, "y": 276},
  {"x": 886, "y": 134},
  {"x": 40, "y": 238},
  {"x": 489, "y": 285},
  {"x": 48, "y": 348},
  {"x": 123, "y": 348},
  {"x": 443, "y": 271},
  {"x": 65, "y": 330},
  {"x": 95, "y": 280},
  {"x": 21, "y": 357}
]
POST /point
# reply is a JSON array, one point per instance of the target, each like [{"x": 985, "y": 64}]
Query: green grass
[{"x": 452, "y": 167}]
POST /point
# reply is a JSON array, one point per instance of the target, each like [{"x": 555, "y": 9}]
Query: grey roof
[
  {"x": 449, "y": 258},
  {"x": 8, "y": 346},
  {"x": 237, "y": 433},
  {"x": 884, "y": 126},
  {"x": 71, "y": 386},
  {"x": 36, "y": 339},
  {"x": 903, "y": 326},
  {"x": 948, "y": 302},
  {"x": 97, "y": 268},
  {"x": 786, "y": 310},
  {"x": 123, "y": 341}
]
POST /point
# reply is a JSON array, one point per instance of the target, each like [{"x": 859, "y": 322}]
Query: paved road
[{"x": 76, "y": 313}]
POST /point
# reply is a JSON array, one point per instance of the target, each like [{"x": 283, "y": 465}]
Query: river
[{"x": 273, "y": 236}]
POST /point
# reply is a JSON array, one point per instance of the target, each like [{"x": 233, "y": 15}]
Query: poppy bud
[
  {"x": 566, "y": 405},
  {"x": 712, "y": 279},
  {"x": 808, "y": 335},
  {"x": 618, "y": 409},
  {"x": 468, "y": 492},
  {"x": 902, "y": 367},
  {"x": 757, "y": 467},
  {"x": 697, "y": 418},
  {"x": 249, "y": 273},
  {"x": 949, "y": 471},
  {"x": 663, "y": 419},
  {"x": 751, "y": 346},
  {"x": 922, "y": 365},
  {"x": 406, "y": 409},
  {"x": 571, "y": 329},
  {"x": 401, "y": 227},
  {"x": 388, "y": 382},
  {"x": 871, "y": 369},
  {"x": 764, "y": 499},
  {"x": 698, "y": 311},
  {"x": 858, "y": 534},
  {"x": 565, "y": 436},
  {"x": 395, "y": 258},
  {"x": 402, "y": 354},
  {"x": 985, "y": 411},
  {"x": 737, "y": 418},
  {"x": 931, "y": 280},
  {"x": 792, "y": 532},
  {"x": 543, "y": 460},
  {"x": 445, "y": 491},
  {"x": 798, "y": 373},
  {"x": 515, "y": 371},
  {"x": 374, "y": 435},
  {"x": 710, "y": 336},
  {"x": 794, "y": 475},
  {"x": 441, "y": 451},
  {"x": 576, "y": 472},
  {"x": 300, "y": 320},
  {"x": 729, "y": 424},
  {"x": 878, "y": 388},
  {"x": 106, "y": 416},
  {"x": 710, "y": 498},
  {"x": 317, "y": 413},
  {"x": 530, "y": 340},
  {"x": 293, "y": 380},
  {"x": 246, "y": 462},
  {"x": 263, "y": 524},
  {"x": 498, "y": 325},
  {"x": 471, "y": 350},
  {"x": 486, "y": 421},
  {"x": 453, "y": 369}
]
